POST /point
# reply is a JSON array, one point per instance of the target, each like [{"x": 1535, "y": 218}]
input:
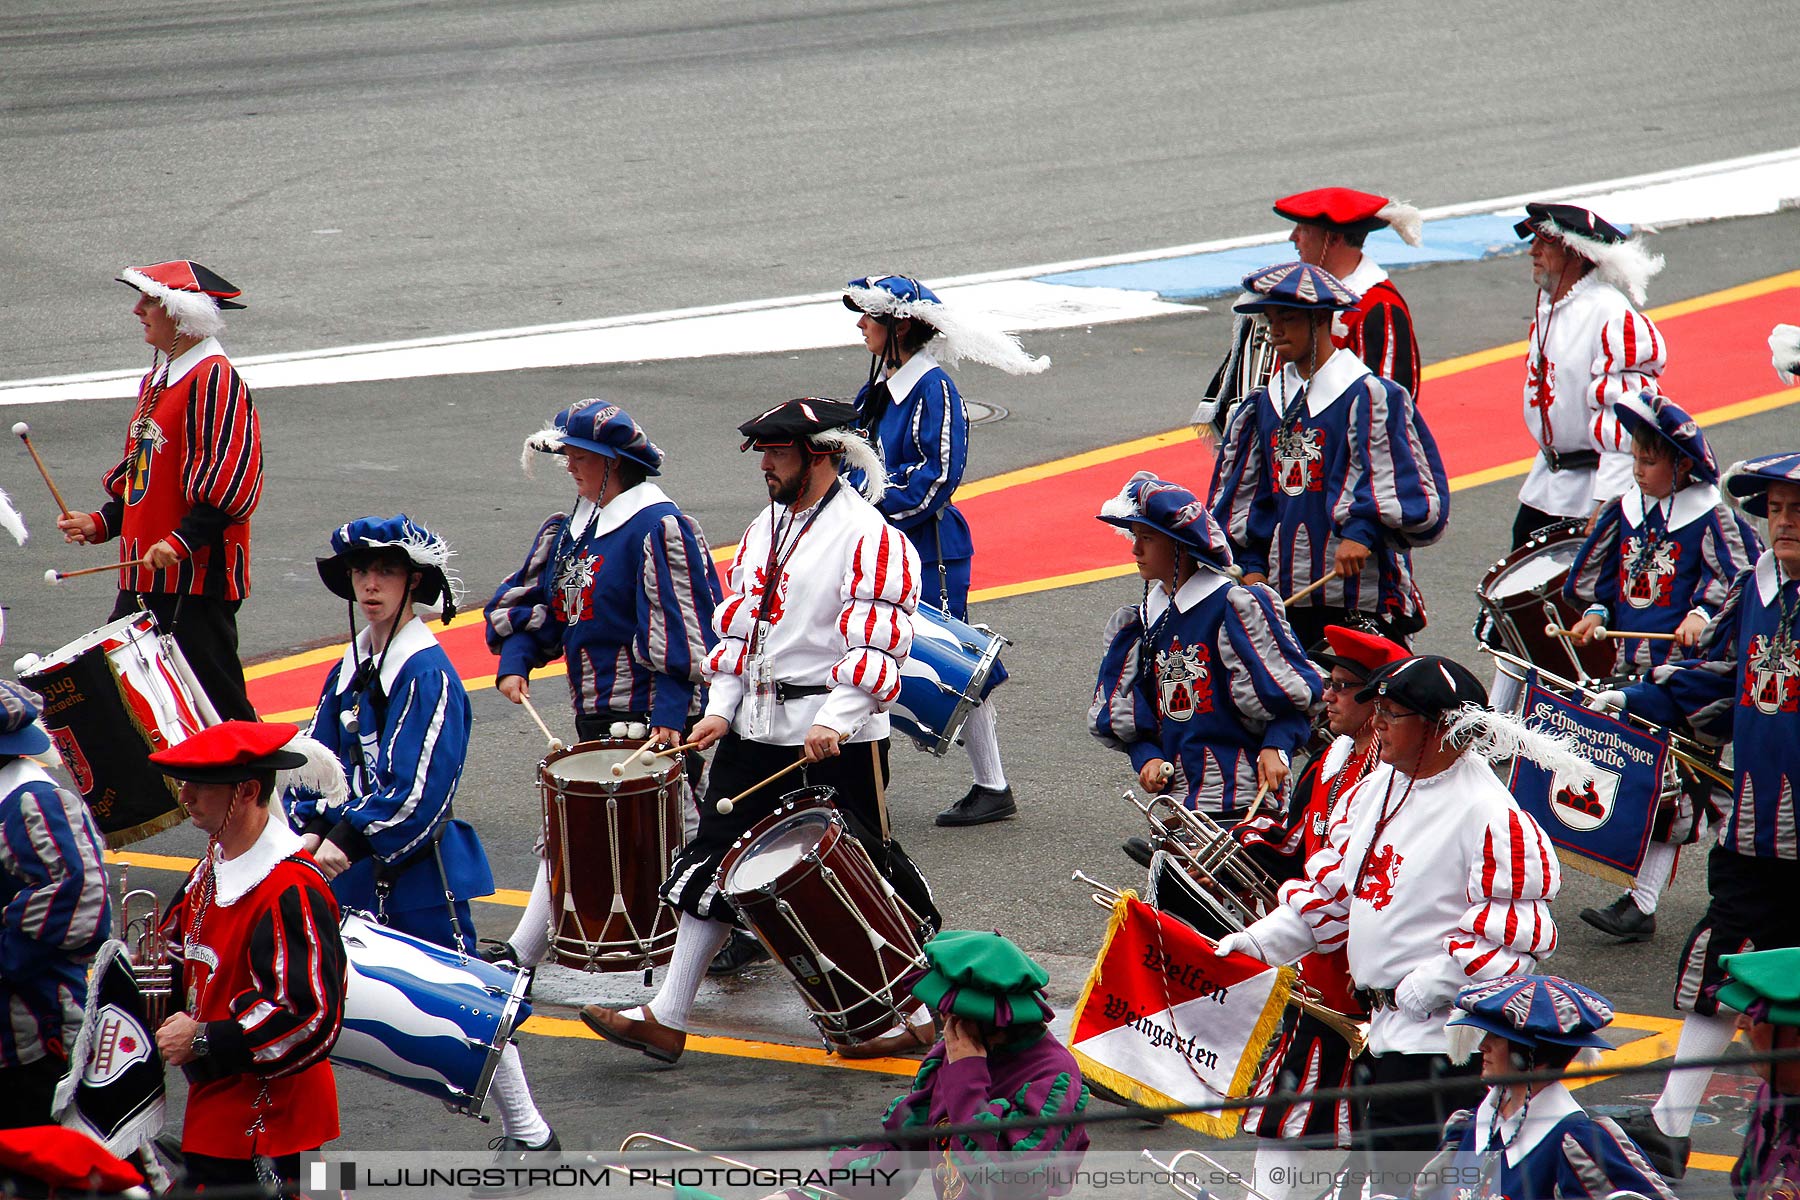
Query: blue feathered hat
[
  {"x": 20, "y": 732},
  {"x": 1748, "y": 481},
  {"x": 1533, "y": 1010},
  {"x": 429, "y": 554},
  {"x": 1295, "y": 285},
  {"x": 599, "y": 427},
  {"x": 965, "y": 334},
  {"x": 1661, "y": 415},
  {"x": 1170, "y": 509}
]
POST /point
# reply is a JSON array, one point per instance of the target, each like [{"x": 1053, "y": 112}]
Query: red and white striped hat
[{"x": 189, "y": 292}]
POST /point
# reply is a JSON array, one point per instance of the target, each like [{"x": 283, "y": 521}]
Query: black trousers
[
  {"x": 593, "y": 728},
  {"x": 1528, "y": 521},
  {"x": 26, "y": 1092},
  {"x": 1412, "y": 1120},
  {"x": 1308, "y": 622},
  {"x": 206, "y": 630}
]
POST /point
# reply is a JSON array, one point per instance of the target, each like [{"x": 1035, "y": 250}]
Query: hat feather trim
[
  {"x": 1784, "y": 351},
  {"x": 429, "y": 550},
  {"x": 548, "y": 440},
  {"x": 1404, "y": 220},
  {"x": 1464, "y": 1041},
  {"x": 196, "y": 314},
  {"x": 1628, "y": 265},
  {"x": 858, "y": 455},
  {"x": 1493, "y": 736},
  {"x": 964, "y": 335},
  {"x": 322, "y": 775},
  {"x": 1122, "y": 508},
  {"x": 10, "y": 520}
]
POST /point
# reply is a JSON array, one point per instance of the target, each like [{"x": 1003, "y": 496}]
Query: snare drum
[
  {"x": 112, "y": 699},
  {"x": 1523, "y": 592},
  {"x": 609, "y": 841},
  {"x": 951, "y": 668},
  {"x": 809, "y": 891},
  {"x": 426, "y": 1017}
]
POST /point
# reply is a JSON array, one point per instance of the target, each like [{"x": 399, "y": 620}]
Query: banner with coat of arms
[
  {"x": 1602, "y": 827},
  {"x": 1165, "y": 1021},
  {"x": 113, "y": 1091}
]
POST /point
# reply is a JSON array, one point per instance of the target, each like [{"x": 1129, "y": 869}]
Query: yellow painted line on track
[{"x": 563, "y": 1027}]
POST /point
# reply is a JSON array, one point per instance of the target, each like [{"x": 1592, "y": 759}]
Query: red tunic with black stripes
[
  {"x": 1379, "y": 330},
  {"x": 192, "y": 474},
  {"x": 271, "y": 964}
]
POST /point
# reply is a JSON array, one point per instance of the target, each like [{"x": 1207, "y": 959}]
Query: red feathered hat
[
  {"x": 1349, "y": 211},
  {"x": 1360, "y": 653},
  {"x": 233, "y": 751},
  {"x": 189, "y": 292}
]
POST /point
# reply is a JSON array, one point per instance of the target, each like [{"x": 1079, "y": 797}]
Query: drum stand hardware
[{"x": 1694, "y": 755}]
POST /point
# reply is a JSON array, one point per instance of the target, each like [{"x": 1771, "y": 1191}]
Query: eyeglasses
[
  {"x": 1343, "y": 685},
  {"x": 1384, "y": 713}
]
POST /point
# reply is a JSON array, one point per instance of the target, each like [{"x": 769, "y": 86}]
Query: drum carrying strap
[{"x": 881, "y": 808}]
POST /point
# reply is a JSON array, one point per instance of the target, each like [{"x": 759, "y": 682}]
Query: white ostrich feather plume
[
  {"x": 964, "y": 334},
  {"x": 10, "y": 520},
  {"x": 196, "y": 314},
  {"x": 858, "y": 455},
  {"x": 1784, "y": 351},
  {"x": 323, "y": 774},
  {"x": 1493, "y": 736}
]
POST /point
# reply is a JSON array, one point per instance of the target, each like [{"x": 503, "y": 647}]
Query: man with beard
[{"x": 812, "y": 634}]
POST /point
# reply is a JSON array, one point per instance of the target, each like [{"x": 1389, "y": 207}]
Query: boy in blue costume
[
  {"x": 1660, "y": 559},
  {"x": 622, "y": 588},
  {"x": 1328, "y": 473},
  {"x": 1532, "y": 1141},
  {"x": 915, "y": 417},
  {"x": 1741, "y": 686},
  {"x": 1202, "y": 684},
  {"x": 396, "y": 715}
]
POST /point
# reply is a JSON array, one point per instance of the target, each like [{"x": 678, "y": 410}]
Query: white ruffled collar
[
  {"x": 1201, "y": 584},
  {"x": 412, "y": 637},
  {"x": 1333, "y": 378},
  {"x": 234, "y": 878},
  {"x": 1684, "y": 507},
  {"x": 1549, "y": 1106},
  {"x": 1768, "y": 577},
  {"x": 192, "y": 357},
  {"x": 901, "y": 382},
  {"x": 1367, "y": 274}
]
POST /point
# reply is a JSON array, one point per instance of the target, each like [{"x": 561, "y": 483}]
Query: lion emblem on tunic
[{"x": 1378, "y": 875}]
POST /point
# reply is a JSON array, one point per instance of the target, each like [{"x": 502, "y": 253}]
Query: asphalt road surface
[{"x": 371, "y": 171}]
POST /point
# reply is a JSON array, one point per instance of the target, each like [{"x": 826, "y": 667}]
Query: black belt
[
  {"x": 1574, "y": 460},
  {"x": 794, "y": 691},
  {"x": 1373, "y": 1000}
]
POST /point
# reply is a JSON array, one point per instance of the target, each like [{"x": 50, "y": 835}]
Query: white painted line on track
[{"x": 1745, "y": 186}]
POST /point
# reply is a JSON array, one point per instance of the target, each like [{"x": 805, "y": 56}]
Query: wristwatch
[{"x": 200, "y": 1046}]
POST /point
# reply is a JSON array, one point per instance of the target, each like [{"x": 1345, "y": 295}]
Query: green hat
[
  {"x": 983, "y": 977},
  {"x": 1765, "y": 984}
]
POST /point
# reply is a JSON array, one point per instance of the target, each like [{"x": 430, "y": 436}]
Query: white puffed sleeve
[{"x": 880, "y": 591}]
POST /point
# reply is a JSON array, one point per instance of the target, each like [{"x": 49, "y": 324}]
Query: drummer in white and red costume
[
  {"x": 1310, "y": 1055},
  {"x": 1660, "y": 559},
  {"x": 1202, "y": 684},
  {"x": 1587, "y": 347},
  {"x": 622, "y": 588},
  {"x": 1436, "y": 879},
  {"x": 182, "y": 495},
  {"x": 816, "y": 623},
  {"x": 1742, "y": 686},
  {"x": 259, "y": 964},
  {"x": 1328, "y": 468}
]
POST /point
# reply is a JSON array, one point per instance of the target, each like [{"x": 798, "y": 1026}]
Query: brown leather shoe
[
  {"x": 646, "y": 1034},
  {"x": 909, "y": 1040}
]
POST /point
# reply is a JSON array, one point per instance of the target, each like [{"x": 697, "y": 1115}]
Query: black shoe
[
  {"x": 497, "y": 952},
  {"x": 1622, "y": 919},
  {"x": 980, "y": 806},
  {"x": 739, "y": 951},
  {"x": 1138, "y": 850},
  {"x": 1668, "y": 1154},
  {"x": 513, "y": 1152}
]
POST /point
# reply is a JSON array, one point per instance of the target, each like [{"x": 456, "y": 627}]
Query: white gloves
[
  {"x": 1609, "y": 701},
  {"x": 1242, "y": 943}
]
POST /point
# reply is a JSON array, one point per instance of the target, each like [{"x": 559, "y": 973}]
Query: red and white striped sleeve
[
  {"x": 1514, "y": 875},
  {"x": 1629, "y": 359},
  {"x": 880, "y": 593}
]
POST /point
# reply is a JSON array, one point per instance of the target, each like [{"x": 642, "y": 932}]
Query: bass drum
[{"x": 1523, "y": 592}]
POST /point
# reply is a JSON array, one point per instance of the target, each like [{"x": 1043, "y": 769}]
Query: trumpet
[
  {"x": 1302, "y": 995},
  {"x": 1225, "y": 879},
  {"x": 146, "y": 950},
  {"x": 1187, "y": 1187}
]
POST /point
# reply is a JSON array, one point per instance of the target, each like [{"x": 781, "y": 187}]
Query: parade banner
[
  {"x": 1165, "y": 1021},
  {"x": 1602, "y": 827},
  {"x": 114, "y": 1089}
]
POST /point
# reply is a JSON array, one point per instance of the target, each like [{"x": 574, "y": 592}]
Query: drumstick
[
  {"x": 24, "y": 432},
  {"x": 1312, "y": 587},
  {"x": 1262, "y": 790},
  {"x": 641, "y": 753},
  {"x": 555, "y": 742},
  {"x": 727, "y": 803},
  {"x": 681, "y": 749},
  {"x": 54, "y": 576},
  {"x": 1553, "y": 631}
]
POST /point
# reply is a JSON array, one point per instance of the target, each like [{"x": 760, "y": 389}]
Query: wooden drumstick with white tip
[
  {"x": 556, "y": 743},
  {"x": 24, "y": 432},
  {"x": 54, "y": 576}
]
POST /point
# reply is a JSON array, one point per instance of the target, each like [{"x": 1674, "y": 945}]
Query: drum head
[
  {"x": 772, "y": 856},
  {"x": 593, "y": 762},
  {"x": 135, "y": 626}
]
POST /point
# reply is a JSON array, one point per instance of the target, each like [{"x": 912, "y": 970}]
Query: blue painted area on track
[{"x": 1218, "y": 273}]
